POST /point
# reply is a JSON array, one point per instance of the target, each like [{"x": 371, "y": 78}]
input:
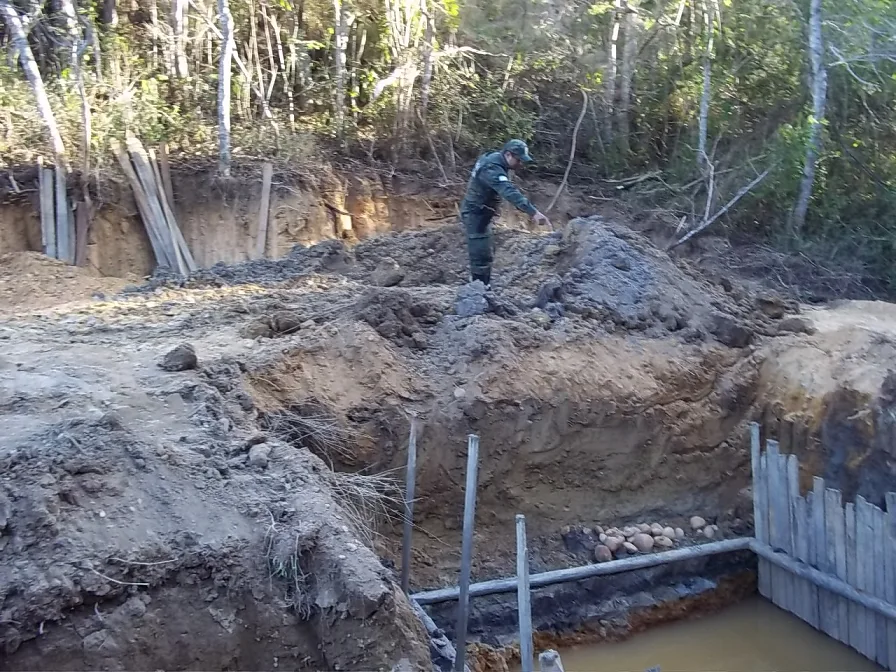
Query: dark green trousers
[{"x": 479, "y": 245}]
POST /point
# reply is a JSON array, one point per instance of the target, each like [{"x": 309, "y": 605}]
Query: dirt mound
[
  {"x": 29, "y": 281},
  {"x": 605, "y": 382},
  {"x": 138, "y": 505}
]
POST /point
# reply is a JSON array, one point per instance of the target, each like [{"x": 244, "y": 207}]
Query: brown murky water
[{"x": 753, "y": 636}]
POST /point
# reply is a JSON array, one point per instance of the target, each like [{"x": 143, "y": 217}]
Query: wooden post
[
  {"x": 65, "y": 239},
  {"x": 890, "y": 555},
  {"x": 261, "y": 238},
  {"x": 880, "y": 587},
  {"x": 555, "y": 576},
  {"x": 466, "y": 559},
  {"x": 410, "y": 483},
  {"x": 146, "y": 214},
  {"x": 182, "y": 253},
  {"x": 760, "y": 506},
  {"x": 523, "y": 595},
  {"x": 147, "y": 181},
  {"x": 82, "y": 230},
  {"x": 165, "y": 169},
  {"x": 47, "y": 210}
]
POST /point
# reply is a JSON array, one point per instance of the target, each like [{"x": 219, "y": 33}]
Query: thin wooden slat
[
  {"x": 833, "y": 511},
  {"x": 82, "y": 230},
  {"x": 790, "y": 582},
  {"x": 852, "y": 575},
  {"x": 272, "y": 250},
  {"x": 47, "y": 210},
  {"x": 785, "y": 436},
  {"x": 798, "y": 536},
  {"x": 777, "y": 492},
  {"x": 880, "y": 589},
  {"x": 827, "y": 614},
  {"x": 264, "y": 211},
  {"x": 812, "y": 554},
  {"x": 65, "y": 226},
  {"x": 165, "y": 170},
  {"x": 143, "y": 206},
  {"x": 760, "y": 504},
  {"x": 184, "y": 257},
  {"x": 891, "y": 574},
  {"x": 144, "y": 172},
  {"x": 864, "y": 532},
  {"x": 832, "y": 507}
]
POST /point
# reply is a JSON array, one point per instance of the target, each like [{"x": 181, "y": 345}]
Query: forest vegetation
[{"x": 773, "y": 121}]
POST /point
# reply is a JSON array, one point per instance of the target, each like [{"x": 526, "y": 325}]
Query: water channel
[{"x": 752, "y": 636}]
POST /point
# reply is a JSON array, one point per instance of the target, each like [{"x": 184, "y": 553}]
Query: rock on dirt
[
  {"x": 796, "y": 325},
  {"x": 643, "y": 542},
  {"x": 697, "y": 523},
  {"x": 259, "y": 455},
  {"x": 730, "y": 331},
  {"x": 602, "y": 553},
  {"x": 387, "y": 273},
  {"x": 181, "y": 358},
  {"x": 471, "y": 300}
]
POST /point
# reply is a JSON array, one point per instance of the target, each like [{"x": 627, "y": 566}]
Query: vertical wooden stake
[
  {"x": 264, "y": 211},
  {"x": 463, "y": 606},
  {"x": 410, "y": 480},
  {"x": 523, "y": 595},
  {"x": 165, "y": 169},
  {"x": 65, "y": 239},
  {"x": 47, "y": 210}
]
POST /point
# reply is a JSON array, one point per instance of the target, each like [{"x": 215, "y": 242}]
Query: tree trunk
[
  {"x": 626, "y": 77},
  {"x": 72, "y": 34},
  {"x": 340, "y": 43},
  {"x": 819, "y": 83},
  {"x": 178, "y": 30},
  {"x": 428, "y": 44},
  {"x": 224, "y": 75},
  {"x": 109, "y": 14},
  {"x": 26, "y": 58},
  {"x": 611, "y": 73},
  {"x": 708, "y": 19}
]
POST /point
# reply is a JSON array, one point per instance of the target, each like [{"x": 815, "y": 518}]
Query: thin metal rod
[
  {"x": 522, "y": 595},
  {"x": 822, "y": 580},
  {"x": 463, "y": 607},
  {"x": 410, "y": 484},
  {"x": 499, "y": 586}
]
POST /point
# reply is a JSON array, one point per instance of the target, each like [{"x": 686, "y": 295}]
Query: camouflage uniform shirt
[{"x": 489, "y": 183}]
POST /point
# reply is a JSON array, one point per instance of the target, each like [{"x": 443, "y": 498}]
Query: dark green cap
[{"x": 519, "y": 149}]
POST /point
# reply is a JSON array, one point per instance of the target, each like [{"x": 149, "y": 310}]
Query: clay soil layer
[{"x": 239, "y": 510}]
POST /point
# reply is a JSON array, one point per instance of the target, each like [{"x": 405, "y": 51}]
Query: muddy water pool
[{"x": 752, "y": 636}]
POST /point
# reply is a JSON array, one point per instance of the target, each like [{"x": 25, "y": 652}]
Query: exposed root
[
  {"x": 367, "y": 500},
  {"x": 310, "y": 427}
]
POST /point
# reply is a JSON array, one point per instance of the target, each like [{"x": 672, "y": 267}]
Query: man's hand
[{"x": 541, "y": 218}]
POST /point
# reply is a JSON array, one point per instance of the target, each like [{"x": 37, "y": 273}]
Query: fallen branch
[
  {"x": 708, "y": 222},
  {"x": 572, "y": 152}
]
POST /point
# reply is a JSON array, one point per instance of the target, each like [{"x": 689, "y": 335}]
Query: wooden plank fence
[{"x": 854, "y": 543}]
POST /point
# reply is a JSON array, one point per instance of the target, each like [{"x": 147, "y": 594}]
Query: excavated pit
[{"x": 233, "y": 513}]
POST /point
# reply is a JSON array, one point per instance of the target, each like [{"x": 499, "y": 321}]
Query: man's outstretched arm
[{"x": 497, "y": 179}]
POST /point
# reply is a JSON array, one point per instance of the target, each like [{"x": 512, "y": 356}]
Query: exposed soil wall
[{"x": 219, "y": 219}]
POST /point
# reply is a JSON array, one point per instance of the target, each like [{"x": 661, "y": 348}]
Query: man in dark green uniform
[{"x": 489, "y": 183}]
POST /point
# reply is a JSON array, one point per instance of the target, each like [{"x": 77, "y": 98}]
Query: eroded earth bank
[{"x": 205, "y": 474}]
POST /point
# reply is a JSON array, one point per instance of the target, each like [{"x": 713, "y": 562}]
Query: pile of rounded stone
[{"x": 644, "y": 538}]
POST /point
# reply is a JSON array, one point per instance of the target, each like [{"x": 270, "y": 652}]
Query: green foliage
[{"x": 516, "y": 68}]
